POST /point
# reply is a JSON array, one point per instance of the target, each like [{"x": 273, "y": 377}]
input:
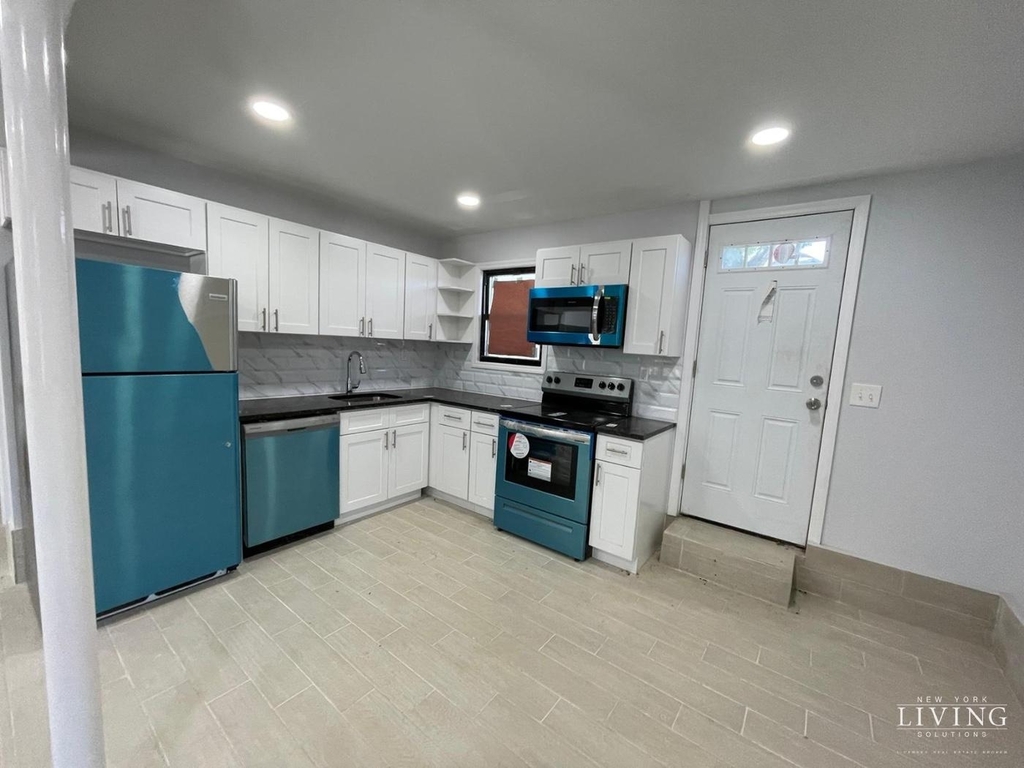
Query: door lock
[
  {"x": 817, "y": 381},
  {"x": 813, "y": 404}
]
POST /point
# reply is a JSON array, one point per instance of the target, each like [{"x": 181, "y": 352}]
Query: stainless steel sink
[{"x": 357, "y": 399}]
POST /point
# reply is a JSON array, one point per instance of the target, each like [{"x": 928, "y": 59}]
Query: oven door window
[{"x": 550, "y": 466}]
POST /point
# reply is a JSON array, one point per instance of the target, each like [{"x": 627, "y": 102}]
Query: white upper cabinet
[
  {"x": 161, "y": 216},
  {"x": 294, "y": 278},
  {"x": 658, "y": 292},
  {"x": 239, "y": 247},
  {"x": 557, "y": 266},
  {"x": 94, "y": 202},
  {"x": 342, "y": 285},
  {"x": 420, "y": 297},
  {"x": 385, "y": 292},
  {"x": 604, "y": 263}
]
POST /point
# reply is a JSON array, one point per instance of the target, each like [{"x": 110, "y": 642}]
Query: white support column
[{"x": 35, "y": 116}]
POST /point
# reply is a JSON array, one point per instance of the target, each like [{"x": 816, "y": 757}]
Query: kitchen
[{"x": 482, "y": 438}]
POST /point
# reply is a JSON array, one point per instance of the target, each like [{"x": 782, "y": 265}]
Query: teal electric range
[{"x": 546, "y": 459}]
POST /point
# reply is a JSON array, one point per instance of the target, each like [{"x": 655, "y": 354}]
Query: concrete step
[{"x": 739, "y": 561}]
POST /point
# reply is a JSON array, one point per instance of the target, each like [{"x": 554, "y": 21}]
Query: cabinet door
[
  {"x": 420, "y": 297},
  {"x": 294, "y": 278},
  {"x": 161, "y": 216},
  {"x": 614, "y": 508},
  {"x": 94, "y": 202},
  {"x": 451, "y": 468},
  {"x": 385, "y": 292},
  {"x": 410, "y": 453},
  {"x": 483, "y": 462},
  {"x": 238, "y": 247},
  {"x": 605, "y": 263},
  {"x": 557, "y": 266},
  {"x": 650, "y": 294},
  {"x": 342, "y": 285},
  {"x": 364, "y": 469}
]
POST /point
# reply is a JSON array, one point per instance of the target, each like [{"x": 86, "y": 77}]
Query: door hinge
[
  {"x": 706, "y": 252},
  {"x": 682, "y": 475},
  {"x": 693, "y": 373}
]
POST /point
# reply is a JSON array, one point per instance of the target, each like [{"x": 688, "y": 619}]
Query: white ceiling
[{"x": 551, "y": 110}]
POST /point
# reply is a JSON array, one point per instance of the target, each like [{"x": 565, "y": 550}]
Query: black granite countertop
[
  {"x": 270, "y": 408},
  {"x": 635, "y": 428}
]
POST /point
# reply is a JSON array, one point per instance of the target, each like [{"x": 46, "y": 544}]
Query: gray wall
[
  {"x": 933, "y": 481},
  {"x": 100, "y": 153}
]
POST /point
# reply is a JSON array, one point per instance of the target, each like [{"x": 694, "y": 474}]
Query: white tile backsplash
[{"x": 274, "y": 365}]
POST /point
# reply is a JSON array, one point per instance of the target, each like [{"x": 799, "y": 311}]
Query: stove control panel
[{"x": 603, "y": 387}]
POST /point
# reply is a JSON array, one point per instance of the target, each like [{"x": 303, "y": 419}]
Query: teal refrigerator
[{"x": 160, "y": 387}]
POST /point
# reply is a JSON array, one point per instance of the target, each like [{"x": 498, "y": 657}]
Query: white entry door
[{"x": 764, "y": 355}]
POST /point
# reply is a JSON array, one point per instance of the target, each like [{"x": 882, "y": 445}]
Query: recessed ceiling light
[
  {"x": 270, "y": 110},
  {"x": 771, "y": 135},
  {"x": 468, "y": 200}
]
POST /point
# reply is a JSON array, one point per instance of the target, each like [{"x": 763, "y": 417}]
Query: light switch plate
[{"x": 865, "y": 395}]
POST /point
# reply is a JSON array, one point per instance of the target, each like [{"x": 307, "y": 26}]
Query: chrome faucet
[{"x": 348, "y": 371}]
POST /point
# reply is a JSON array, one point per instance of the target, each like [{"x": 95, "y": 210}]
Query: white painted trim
[
  {"x": 455, "y": 501},
  {"x": 860, "y": 205},
  {"x": 700, "y": 247}
]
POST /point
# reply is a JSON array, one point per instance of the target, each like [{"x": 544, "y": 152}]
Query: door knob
[
  {"x": 817, "y": 381},
  {"x": 813, "y": 404}
]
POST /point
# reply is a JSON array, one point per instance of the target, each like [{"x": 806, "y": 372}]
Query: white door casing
[
  {"x": 294, "y": 278},
  {"x": 765, "y": 331},
  {"x": 238, "y": 247},
  {"x": 342, "y": 285}
]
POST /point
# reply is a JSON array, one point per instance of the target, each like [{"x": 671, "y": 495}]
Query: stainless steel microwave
[{"x": 578, "y": 316}]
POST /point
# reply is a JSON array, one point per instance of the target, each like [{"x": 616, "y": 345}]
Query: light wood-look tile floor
[{"x": 423, "y": 637}]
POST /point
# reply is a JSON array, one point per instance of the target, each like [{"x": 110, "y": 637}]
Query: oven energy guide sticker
[{"x": 520, "y": 446}]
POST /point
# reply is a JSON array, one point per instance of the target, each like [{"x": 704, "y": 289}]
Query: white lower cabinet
[
  {"x": 378, "y": 464},
  {"x": 449, "y": 461},
  {"x": 614, "y": 508},
  {"x": 364, "y": 469},
  {"x": 629, "y": 498},
  {"x": 483, "y": 462}
]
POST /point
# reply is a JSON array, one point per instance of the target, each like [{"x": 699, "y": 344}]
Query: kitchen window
[{"x": 503, "y": 315}]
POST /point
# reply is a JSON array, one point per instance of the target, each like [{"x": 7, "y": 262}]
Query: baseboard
[
  {"x": 940, "y": 606},
  {"x": 1008, "y": 645},
  {"x": 457, "y": 502},
  {"x": 384, "y": 506}
]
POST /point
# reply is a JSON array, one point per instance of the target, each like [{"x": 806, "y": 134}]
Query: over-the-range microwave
[{"x": 578, "y": 315}]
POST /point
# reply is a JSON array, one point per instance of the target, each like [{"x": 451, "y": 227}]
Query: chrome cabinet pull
[
  {"x": 597, "y": 477},
  {"x": 494, "y": 447},
  {"x": 128, "y": 220},
  {"x": 264, "y": 311},
  {"x": 572, "y": 274},
  {"x": 617, "y": 451},
  {"x": 369, "y": 327},
  {"x": 661, "y": 342},
  {"x": 480, "y": 424},
  {"x": 463, "y": 441},
  {"x": 108, "y": 216},
  {"x": 583, "y": 280},
  {"x": 451, "y": 417},
  {"x": 277, "y": 321},
  {"x": 385, "y": 441},
  {"x": 430, "y": 331},
  {"x": 394, "y": 438}
]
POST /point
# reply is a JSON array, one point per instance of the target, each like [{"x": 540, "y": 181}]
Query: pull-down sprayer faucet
[{"x": 348, "y": 371}]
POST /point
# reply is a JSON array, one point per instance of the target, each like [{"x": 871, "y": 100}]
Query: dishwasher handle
[{"x": 283, "y": 426}]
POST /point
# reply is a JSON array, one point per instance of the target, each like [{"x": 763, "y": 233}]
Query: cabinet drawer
[
  {"x": 629, "y": 453},
  {"x": 485, "y": 423},
  {"x": 548, "y": 530},
  {"x": 409, "y": 414},
  {"x": 452, "y": 417},
  {"x": 365, "y": 421}
]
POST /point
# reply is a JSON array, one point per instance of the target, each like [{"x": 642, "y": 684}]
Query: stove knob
[
  {"x": 548, "y": 379},
  {"x": 557, "y": 380},
  {"x": 603, "y": 385},
  {"x": 620, "y": 387}
]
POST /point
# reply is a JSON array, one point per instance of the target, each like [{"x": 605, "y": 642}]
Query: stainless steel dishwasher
[{"x": 291, "y": 470}]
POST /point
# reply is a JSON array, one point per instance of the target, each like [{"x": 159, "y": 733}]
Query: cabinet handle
[
  {"x": 617, "y": 451},
  {"x": 108, "y": 216},
  {"x": 494, "y": 447},
  {"x": 582, "y": 272},
  {"x": 385, "y": 440},
  {"x": 572, "y": 275},
  {"x": 264, "y": 311},
  {"x": 369, "y": 327},
  {"x": 480, "y": 424},
  {"x": 128, "y": 221},
  {"x": 394, "y": 438},
  {"x": 597, "y": 477},
  {"x": 463, "y": 441},
  {"x": 362, "y": 326},
  {"x": 277, "y": 321},
  {"x": 451, "y": 417},
  {"x": 661, "y": 342},
  {"x": 430, "y": 331}
]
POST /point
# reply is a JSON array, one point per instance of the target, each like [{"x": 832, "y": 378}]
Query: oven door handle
[
  {"x": 595, "y": 313},
  {"x": 551, "y": 433}
]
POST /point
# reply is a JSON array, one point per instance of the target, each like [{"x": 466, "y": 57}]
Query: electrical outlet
[{"x": 865, "y": 395}]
